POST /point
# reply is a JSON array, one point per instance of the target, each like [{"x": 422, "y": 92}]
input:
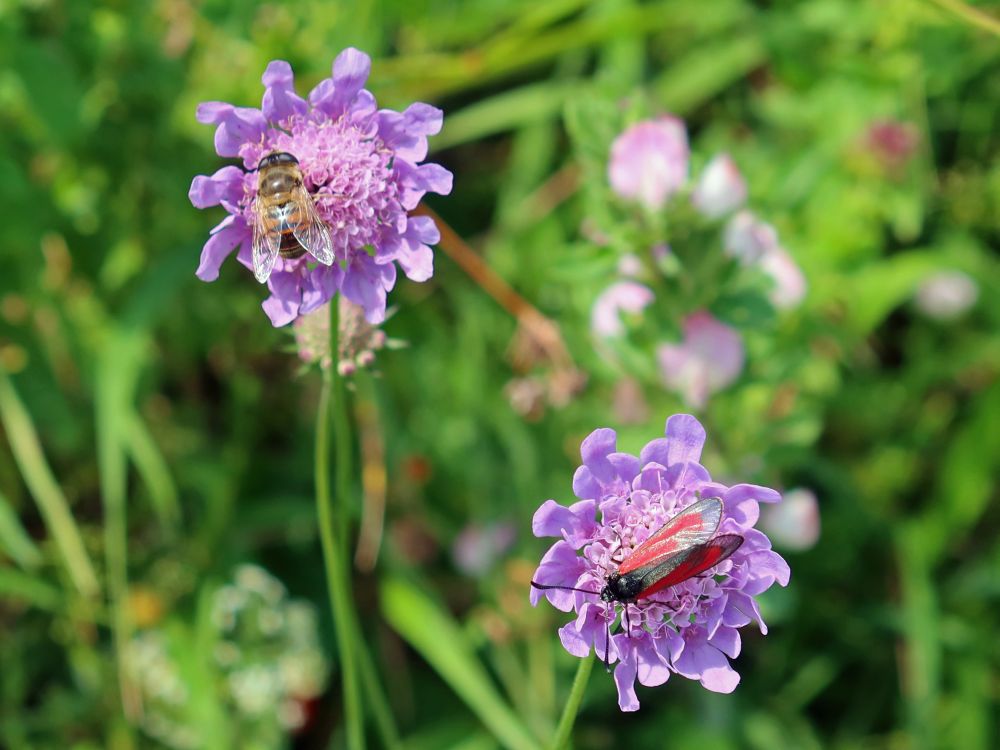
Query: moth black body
[{"x": 622, "y": 588}]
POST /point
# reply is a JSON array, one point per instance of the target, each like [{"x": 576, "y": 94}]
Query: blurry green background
[{"x": 176, "y": 400}]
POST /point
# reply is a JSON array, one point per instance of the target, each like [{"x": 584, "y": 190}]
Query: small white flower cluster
[
  {"x": 157, "y": 675},
  {"x": 266, "y": 656},
  {"x": 269, "y": 650}
]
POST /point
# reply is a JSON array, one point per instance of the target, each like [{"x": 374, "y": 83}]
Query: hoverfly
[
  {"x": 684, "y": 547},
  {"x": 285, "y": 220}
]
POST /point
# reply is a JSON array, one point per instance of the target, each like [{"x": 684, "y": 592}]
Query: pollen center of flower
[
  {"x": 634, "y": 526},
  {"x": 349, "y": 171}
]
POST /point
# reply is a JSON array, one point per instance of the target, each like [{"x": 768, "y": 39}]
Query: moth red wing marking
[
  {"x": 693, "y": 561},
  {"x": 694, "y": 525}
]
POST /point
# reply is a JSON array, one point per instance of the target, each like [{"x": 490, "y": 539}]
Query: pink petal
[
  {"x": 789, "y": 282},
  {"x": 225, "y": 185},
  {"x": 280, "y": 100},
  {"x": 226, "y": 237},
  {"x": 649, "y": 161},
  {"x": 623, "y": 296}
]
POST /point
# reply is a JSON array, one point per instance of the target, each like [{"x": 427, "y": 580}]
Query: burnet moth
[{"x": 684, "y": 547}]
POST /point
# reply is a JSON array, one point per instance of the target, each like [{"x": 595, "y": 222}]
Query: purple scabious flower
[
  {"x": 691, "y": 629},
  {"x": 360, "y": 163}
]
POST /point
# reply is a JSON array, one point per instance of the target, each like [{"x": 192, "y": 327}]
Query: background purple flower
[
  {"x": 622, "y": 296},
  {"x": 479, "y": 547},
  {"x": 362, "y": 165},
  {"x": 709, "y": 359},
  {"x": 649, "y": 161},
  {"x": 747, "y": 238},
  {"x": 790, "y": 285},
  {"x": 690, "y": 629},
  {"x": 794, "y": 523},
  {"x": 753, "y": 242},
  {"x": 892, "y": 142}
]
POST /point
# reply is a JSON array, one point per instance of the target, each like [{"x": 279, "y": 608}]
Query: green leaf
[
  {"x": 870, "y": 294},
  {"x": 530, "y": 104},
  {"x": 153, "y": 470},
  {"x": 25, "y": 587},
  {"x": 14, "y": 540},
  {"x": 592, "y": 120},
  {"x": 697, "y": 77},
  {"x": 45, "y": 489}
]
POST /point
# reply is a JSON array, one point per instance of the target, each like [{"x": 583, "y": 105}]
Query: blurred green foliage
[{"x": 132, "y": 386}]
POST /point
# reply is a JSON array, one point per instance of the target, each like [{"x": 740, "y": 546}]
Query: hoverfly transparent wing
[
  {"x": 265, "y": 244},
  {"x": 312, "y": 232}
]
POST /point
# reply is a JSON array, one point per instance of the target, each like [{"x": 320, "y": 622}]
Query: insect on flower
[
  {"x": 285, "y": 221},
  {"x": 333, "y": 154},
  {"x": 683, "y": 548}
]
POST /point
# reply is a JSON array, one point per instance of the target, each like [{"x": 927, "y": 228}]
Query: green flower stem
[
  {"x": 334, "y": 551},
  {"x": 342, "y": 447},
  {"x": 381, "y": 711},
  {"x": 565, "y": 728}
]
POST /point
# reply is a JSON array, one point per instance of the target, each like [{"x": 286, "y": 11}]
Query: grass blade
[
  {"x": 153, "y": 470},
  {"x": 45, "y": 490},
  {"x": 14, "y": 540}
]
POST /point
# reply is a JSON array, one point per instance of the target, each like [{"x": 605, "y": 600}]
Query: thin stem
[
  {"x": 112, "y": 392},
  {"x": 544, "y": 331},
  {"x": 342, "y": 441},
  {"x": 384, "y": 722},
  {"x": 565, "y": 728},
  {"x": 373, "y": 476},
  {"x": 334, "y": 553}
]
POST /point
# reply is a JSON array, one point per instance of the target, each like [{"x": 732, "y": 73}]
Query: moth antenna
[{"x": 547, "y": 587}]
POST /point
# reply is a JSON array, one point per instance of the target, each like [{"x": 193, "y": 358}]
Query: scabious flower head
[
  {"x": 312, "y": 337},
  {"x": 358, "y": 341},
  {"x": 360, "y": 163},
  {"x": 709, "y": 359},
  {"x": 649, "y": 161},
  {"x": 690, "y": 629}
]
